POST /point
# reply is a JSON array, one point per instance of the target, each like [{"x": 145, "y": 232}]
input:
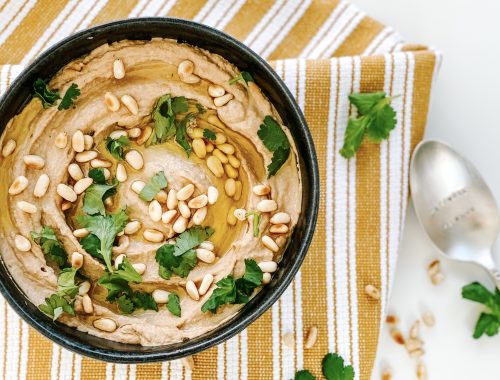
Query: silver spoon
[{"x": 454, "y": 205}]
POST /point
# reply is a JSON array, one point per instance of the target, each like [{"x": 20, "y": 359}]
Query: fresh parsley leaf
[
  {"x": 243, "y": 77},
  {"x": 45, "y": 94},
  {"x": 274, "y": 139},
  {"x": 117, "y": 146},
  {"x": 208, "y": 134},
  {"x": 116, "y": 286},
  {"x": 127, "y": 272},
  {"x": 174, "y": 305},
  {"x": 334, "y": 368},
  {"x": 224, "y": 293},
  {"x": 253, "y": 274},
  {"x": 125, "y": 304},
  {"x": 164, "y": 113},
  {"x": 97, "y": 175},
  {"x": 50, "y": 245},
  {"x": 171, "y": 264},
  {"x": 181, "y": 136},
  {"x": 488, "y": 323},
  {"x": 375, "y": 121},
  {"x": 95, "y": 195},
  {"x": 256, "y": 221},
  {"x": 191, "y": 238},
  {"x": 155, "y": 184},
  {"x": 66, "y": 282},
  {"x": 92, "y": 245},
  {"x": 105, "y": 228},
  {"x": 69, "y": 97},
  {"x": 57, "y": 304},
  {"x": 304, "y": 375},
  {"x": 200, "y": 108},
  {"x": 143, "y": 300}
]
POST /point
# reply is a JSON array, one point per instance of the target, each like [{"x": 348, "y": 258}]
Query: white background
[{"x": 464, "y": 112}]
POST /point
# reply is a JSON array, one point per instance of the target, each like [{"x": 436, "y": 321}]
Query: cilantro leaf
[
  {"x": 125, "y": 304},
  {"x": 117, "y": 146},
  {"x": 155, "y": 184},
  {"x": 334, "y": 368},
  {"x": 253, "y": 274},
  {"x": 145, "y": 301},
  {"x": 256, "y": 221},
  {"x": 488, "y": 323},
  {"x": 57, "y": 304},
  {"x": 127, "y": 272},
  {"x": 92, "y": 245},
  {"x": 304, "y": 375},
  {"x": 164, "y": 114},
  {"x": 200, "y": 108},
  {"x": 95, "y": 195},
  {"x": 224, "y": 293},
  {"x": 191, "y": 238},
  {"x": 116, "y": 286},
  {"x": 244, "y": 77},
  {"x": 45, "y": 94},
  {"x": 208, "y": 134},
  {"x": 376, "y": 120},
  {"x": 174, "y": 305},
  {"x": 66, "y": 282},
  {"x": 69, "y": 97},
  {"x": 181, "y": 136},
  {"x": 105, "y": 228},
  {"x": 171, "y": 264},
  {"x": 477, "y": 292},
  {"x": 274, "y": 139},
  {"x": 97, "y": 174},
  {"x": 50, "y": 245}
]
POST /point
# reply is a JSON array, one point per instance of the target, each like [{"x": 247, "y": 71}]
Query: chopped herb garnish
[
  {"x": 117, "y": 146},
  {"x": 274, "y": 139},
  {"x": 50, "y": 245},
  {"x": 92, "y": 245},
  {"x": 244, "y": 77},
  {"x": 375, "y": 121},
  {"x": 97, "y": 193},
  {"x": 174, "y": 305},
  {"x": 69, "y": 97},
  {"x": 208, "y": 134},
  {"x": 66, "y": 282},
  {"x": 171, "y": 264},
  {"x": 181, "y": 136},
  {"x": 256, "y": 221},
  {"x": 333, "y": 368},
  {"x": 62, "y": 301},
  {"x": 45, "y": 94},
  {"x": 153, "y": 186},
  {"x": 488, "y": 323},
  {"x": 200, "y": 108},
  {"x": 164, "y": 114},
  {"x": 191, "y": 238}
]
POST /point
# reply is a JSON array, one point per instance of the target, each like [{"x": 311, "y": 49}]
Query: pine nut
[
  {"x": 199, "y": 216},
  {"x": 41, "y": 186},
  {"x": 413, "y": 344},
  {"x": 111, "y": 101},
  {"x": 192, "y": 291},
  {"x": 88, "y": 142},
  {"x": 233, "y": 161},
  {"x": 188, "y": 363},
  {"x": 84, "y": 288},
  {"x": 434, "y": 268},
  {"x": 137, "y": 186},
  {"x": 8, "y": 148},
  {"x": 123, "y": 244},
  {"x": 215, "y": 166},
  {"x": 66, "y": 192},
  {"x": 184, "y": 209},
  {"x": 88, "y": 308},
  {"x": 21, "y": 243},
  {"x": 270, "y": 243},
  {"x": 185, "y": 68},
  {"x": 237, "y": 193},
  {"x": 121, "y": 173},
  {"x": 77, "y": 305},
  {"x": 78, "y": 141},
  {"x": 415, "y": 354},
  {"x": 226, "y": 148},
  {"x": 391, "y": 319},
  {"x": 76, "y": 260},
  {"x": 198, "y": 202},
  {"x": 168, "y": 216},
  {"x": 207, "y": 245},
  {"x": 195, "y": 133},
  {"x": 115, "y": 135},
  {"x": 210, "y": 147},
  {"x": 221, "y": 156},
  {"x": 261, "y": 189},
  {"x": 18, "y": 185},
  {"x": 190, "y": 79},
  {"x": 161, "y": 196},
  {"x": 266, "y": 278},
  {"x": 132, "y": 227},
  {"x": 105, "y": 324},
  {"x": 180, "y": 225},
  {"x": 208, "y": 279},
  {"x": 65, "y": 206},
  {"x": 267, "y": 205},
  {"x": 281, "y": 241},
  {"x": 387, "y": 375},
  {"x": 98, "y": 163},
  {"x": 428, "y": 319},
  {"x": 212, "y": 195},
  {"x": 130, "y": 103},
  {"x": 230, "y": 171},
  {"x": 82, "y": 185},
  {"x": 216, "y": 91},
  {"x": 134, "y": 159},
  {"x": 397, "y": 336},
  {"x": 139, "y": 268},
  {"x": 421, "y": 371},
  {"x": 154, "y": 210},
  {"x": 205, "y": 255},
  {"x": 280, "y": 218},
  {"x": 86, "y": 156},
  {"x": 372, "y": 291},
  {"x": 75, "y": 172},
  {"x": 134, "y": 133},
  {"x": 437, "y": 278},
  {"x": 33, "y": 161},
  {"x": 199, "y": 148},
  {"x": 160, "y": 295},
  {"x": 153, "y": 236},
  {"x": 118, "y": 69},
  {"x": 81, "y": 233},
  {"x": 289, "y": 340},
  {"x": 119, "y": 260},
  {"x": 231, "y": 219},
  {"x": 268, "y": 266},
  {"x": 311, "y": 337},
  {"x": 240, "y": 214},
  {"x": 61, "y": 140},
  {"x": 145, "y": 135},
  {"x": 415, "y": 329},
  {"x": 222, "y": 100},
  {"x": 184, "y": 193},
  {"x": 230, "y": 187},
  {"x": 27, "y": 207},
  {"x": 108, "y": 202},
  {"x": 172, "y": 199},
  {"x": 278, "y": 229}
]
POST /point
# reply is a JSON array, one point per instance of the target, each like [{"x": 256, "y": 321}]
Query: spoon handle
[{"x": 495, "y": 276}]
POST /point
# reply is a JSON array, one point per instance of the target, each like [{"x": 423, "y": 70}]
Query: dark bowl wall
[{"x": 217, "y": 42}]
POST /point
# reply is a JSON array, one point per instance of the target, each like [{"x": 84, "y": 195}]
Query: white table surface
[{"x": 463, "y": 112}]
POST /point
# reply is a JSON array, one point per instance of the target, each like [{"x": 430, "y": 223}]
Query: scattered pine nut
[
  {"x": 153, "y": 236},
  {"x": 34, "y": 161},
  {"x": 223, "y": 100},
  {"x": 145, "y": 135},
  {"x": 372, "y": 291},
  {"x": 78, "y": 141},
  {"x": 266, "y": 278},
  {"x": 121, "y": 173},
  {"x": 88, "y": 307},
  {"x": 268, "y": 266},
  {"x": 199, "y": 216},
  {"x": 111, "y": 101},
  {"x": 186, "y": 192},
  {"x": 311, "y": 337},
  {"x": 415, "y": 330},
  {"x": 66, "y": 192},
  {"x": 391, "y": 319},
  {"x": 21, "y": 243},
  {"x": 231, "y": 219},
  {"x": 387, "y": 374},
  {"x": 212, "y": 194},
  {"x": 185, "y": 68},
  {"x": 428, "y": 319},
  {"x": 270, "y": 243},
  {"x": 76, "y": 260},
  {"x": 18, "y": 185},
  {"x": 75, "y": 172},
  {"x": 421, "y": 371},
  {"x": 180, "y": 225},
  {"x": 437, "y": 278},
  {"x": 289, "y": 339},
  {"x": 134, "y": 159},
  {"x": 86, "y": 156},
  {"x": 27, "y": 207},
  {"x": 130, "y": 103},
  {"x": 188, "y": 363},
  {"x": 192, "y": 291},
  {"x": 215, "y": 91},
  {"x": 215, "y": 166},
  {"x": 105, "y": 324},
  {"x": 261, "y": 189},
  {"x": 41, "y": 186},
  {"x": 139, "y": 268},
  {"x": 267, "y": 205},
  {"x": 8, "y": 148},
  {"x": 160, "y": 295},
  {"x": 118, "y": 69},
  {"x": 132, "y": 227},
  {"x": 397, "y": 336}
]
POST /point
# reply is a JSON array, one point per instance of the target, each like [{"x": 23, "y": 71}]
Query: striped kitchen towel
[{"x": 324, "y": 50}]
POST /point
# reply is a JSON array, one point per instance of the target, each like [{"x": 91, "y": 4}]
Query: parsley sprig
[
  {"x": 98, "y": 192},
  {"x": 49, "y": 96},
  {"x": 153, "y": 186},
  {"x": 487, "y": 323},
  {"x": 50, "y": 245},
  {"x": 209, "y": 134},
  {"x": 164, "y": 116},
  {"x": 274, "y": 139},
  {"x": 62, "y": 301},
  {"x": 333, "y": 368},
  {"x": 244, "y": 77},
  {"x": 256, "y": 221},
  {"x": 117, "y": 146},
  {"x": 375, "y": 121},
  {"x": 69, "y": 97}
]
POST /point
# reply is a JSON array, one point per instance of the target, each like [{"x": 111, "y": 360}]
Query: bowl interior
[{"x": 216, "y": 42}]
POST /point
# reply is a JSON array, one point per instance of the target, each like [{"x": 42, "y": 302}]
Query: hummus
[{"x": 217, "y": 178}]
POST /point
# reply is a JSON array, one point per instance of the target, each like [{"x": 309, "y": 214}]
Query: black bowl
[{"x": 215, "y": 41}]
